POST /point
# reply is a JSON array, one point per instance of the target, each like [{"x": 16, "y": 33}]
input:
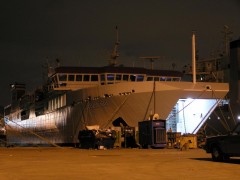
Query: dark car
[{"x": 222, "y": 147}]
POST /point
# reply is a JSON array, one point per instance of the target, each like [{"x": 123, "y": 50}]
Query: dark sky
[{"x": 82, "y": 33}]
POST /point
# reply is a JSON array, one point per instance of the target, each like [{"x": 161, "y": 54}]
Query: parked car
[{"x": 222, "y": 147}]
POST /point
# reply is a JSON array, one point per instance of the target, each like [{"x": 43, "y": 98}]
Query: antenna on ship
[
  {"x": 151, "y": 59},
  {"x": 193, "y": 57},
  {"x": 115, "y": 53},
  {"x": 58, "y": 62}
]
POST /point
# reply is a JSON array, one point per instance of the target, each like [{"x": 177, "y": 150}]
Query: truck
[
  {"x": 222, "y": 147},
  {"x": 152, "y": 133}
]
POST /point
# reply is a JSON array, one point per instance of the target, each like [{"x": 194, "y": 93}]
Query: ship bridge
[{"x": 74, "y": 78}]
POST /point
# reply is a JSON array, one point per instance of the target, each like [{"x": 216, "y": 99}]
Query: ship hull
[{"x": 102, "y": 105}]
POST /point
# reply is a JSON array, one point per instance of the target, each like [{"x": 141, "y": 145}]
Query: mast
[
  {"x": 154, "y": 97},
  {"x": 115, "y": 52},
  {"x": 193, "y": 58}
]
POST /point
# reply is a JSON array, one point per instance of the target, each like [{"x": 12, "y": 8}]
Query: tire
[
  {"x": 144, "y": 146},
  {"x": 217, "y": 155}
]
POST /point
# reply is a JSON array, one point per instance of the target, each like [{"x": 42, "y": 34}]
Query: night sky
[{"x": 82, "y": 33}]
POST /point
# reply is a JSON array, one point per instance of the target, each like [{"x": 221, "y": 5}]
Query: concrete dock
[{"x": 72, "y": 163}]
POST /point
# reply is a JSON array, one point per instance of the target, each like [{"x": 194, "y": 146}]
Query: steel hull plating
[{"x": 101, "y": 105}]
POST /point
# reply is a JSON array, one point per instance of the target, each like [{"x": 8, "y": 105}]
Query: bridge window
[
  {"x": 169, "y": 79},
  {"x": 119, "y": 77},
  {"x": 140, "y": 78},
  {"x": 62, "y": 77},
  {"x": 156, "y": 78},
  {"x": 125, "y": 77},
  {"x": 78, "y": 77},
  {"x": 94, "y": 77},
  {"x": 162, "y": 79},
  {"x": 132, "y": 77},
  {"x": 176, "y": 79},
  {"x": 110, "y": 77},
  {"x": 102, "y": 77},
  {"x": 86, "y": 78},
  {"x": 71, "y": 77},
  {"x": 149, "y": 78}
]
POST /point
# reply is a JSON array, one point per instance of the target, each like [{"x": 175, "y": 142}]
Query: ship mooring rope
[{"x": 117, "y": 110}]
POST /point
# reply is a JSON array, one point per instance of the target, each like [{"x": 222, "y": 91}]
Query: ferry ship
[{"x": 76, "y": 97}]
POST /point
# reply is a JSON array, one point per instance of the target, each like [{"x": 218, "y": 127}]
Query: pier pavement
[{"x": 73, "y": 163}]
